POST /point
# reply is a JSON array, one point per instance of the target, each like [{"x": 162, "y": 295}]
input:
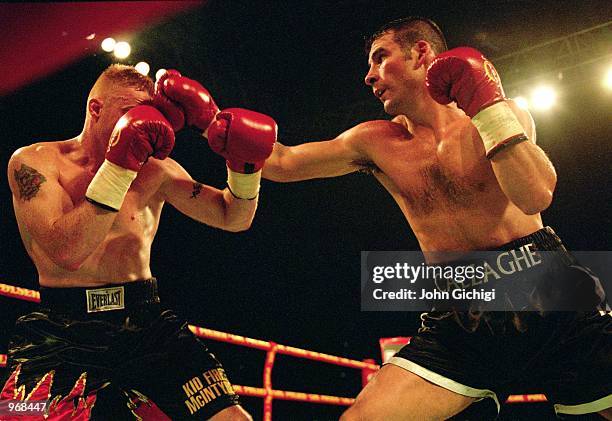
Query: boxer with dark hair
[
  {"x": 101, "y": 346},
  {"x": 462, "y": 163}
]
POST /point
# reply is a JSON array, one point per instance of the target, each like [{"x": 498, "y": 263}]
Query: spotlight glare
[
  {"x": 143, "y": 68},
  {"x": 543, "y": 98},
  {"x": 608, "y": 79},
  {"x": 159, "y": 73},
  {"x": 122, "y": 49},
  {"x": 522, "y": 102},
  {"x": 108, "y": 44}
]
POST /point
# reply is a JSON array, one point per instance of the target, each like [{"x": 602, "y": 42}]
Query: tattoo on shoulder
[
  {"x": 29, "y": 181},
  {"x": 197, "y": 189}
]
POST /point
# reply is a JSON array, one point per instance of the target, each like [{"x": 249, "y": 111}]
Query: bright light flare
[
  {"x": 543, "y": 98},
  {"x": 122, "y": 49},
  {"x": 608, "y": 79},
  {"x": 522, "y": 102},
  {"x": 108, "y": 44},
  {"x": 143, "y": 68},
  {"x": 159, "y": 73}
]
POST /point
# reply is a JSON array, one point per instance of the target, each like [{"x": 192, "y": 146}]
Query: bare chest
[
  {"x": 139, "y": 214},
  {"x": 427, "y": 176}
]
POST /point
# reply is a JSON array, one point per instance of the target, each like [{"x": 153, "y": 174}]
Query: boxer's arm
[
  {"x": 217, "y": 208},
  {"x": 328, "y": 158},
  {"x": 67, "y": 234},
  {"x": 523, "y": 171},
  {"x": 465, "y": 76}
]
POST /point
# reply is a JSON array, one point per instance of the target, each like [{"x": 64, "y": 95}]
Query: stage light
[
  {"x": 108, "y": 44},
  {"x": 159, "y": 73},
  {"x": 543, "y": 98},
  {"x": 122, "y": 49},
  {"x": 608, "y": 79},
  {"x": 143, "y": 67},
  {"x": 522, "y": 102}
]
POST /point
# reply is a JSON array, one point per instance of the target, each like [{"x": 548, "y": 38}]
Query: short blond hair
[{"x": 121, "y": 75}]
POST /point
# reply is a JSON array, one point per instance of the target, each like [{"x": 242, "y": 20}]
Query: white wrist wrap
[
  {"x": 498, "y": 127},
  {"x": 243, "y": 186},
  {"x": 110, "y": 184}
]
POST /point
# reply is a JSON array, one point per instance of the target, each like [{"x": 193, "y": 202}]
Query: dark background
[{"x": 293, "y": 278}]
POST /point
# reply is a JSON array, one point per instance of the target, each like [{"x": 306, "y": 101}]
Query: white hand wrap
[
  {"x": 498, "y": 127},
  {"x": 110, "y": 184},
  {"x": 243, "y": 186}
]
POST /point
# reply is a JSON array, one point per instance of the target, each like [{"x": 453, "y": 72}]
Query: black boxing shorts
[
  {"x": 111, "y": 352},
  {"x": 567, "y": 355}
]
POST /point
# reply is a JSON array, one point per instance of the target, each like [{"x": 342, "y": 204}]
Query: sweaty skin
[
  {"x": 445, "y": 187},
  {"x": 75, "y": 243},
  {"x": 431, "y": 160}
]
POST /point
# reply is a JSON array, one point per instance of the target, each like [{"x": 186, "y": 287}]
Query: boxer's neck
[
  {"x": 435, "y": 117},
  {"x": 91, "y": 149}
]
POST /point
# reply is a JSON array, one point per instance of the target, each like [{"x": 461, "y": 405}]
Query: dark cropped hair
[{"x": 407, "y": 31}]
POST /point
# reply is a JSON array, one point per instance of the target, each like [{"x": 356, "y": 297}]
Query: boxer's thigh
[
  {"x": 398, "y": 394},
  {"x": 179, "y": 374}
]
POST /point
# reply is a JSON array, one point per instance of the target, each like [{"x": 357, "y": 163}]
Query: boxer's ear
[
  {"x": 424, "y": 53},
  {"x": 94, "y": 108}
]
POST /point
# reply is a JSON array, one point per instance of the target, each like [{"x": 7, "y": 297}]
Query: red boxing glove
[
  {"x": 172, "y": 111},
  {"x": 196, "y": 102},
  {"x": 465, "y": 76},
  {"x": 245, "y": 138},
  {"x": 142, "y": 132}
]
